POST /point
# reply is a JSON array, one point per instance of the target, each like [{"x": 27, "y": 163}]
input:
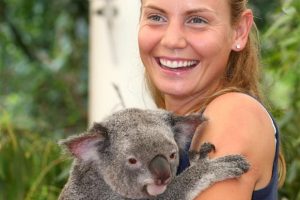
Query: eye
[
  {"x": 197, "y": 20},
  {"x": 132, "y": 161},
  {"x": 172, "y": 156},
  {"x": 156, "y": 18}
]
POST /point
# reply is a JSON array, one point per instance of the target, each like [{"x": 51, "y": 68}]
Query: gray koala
[{"x": 134, "y": 154}]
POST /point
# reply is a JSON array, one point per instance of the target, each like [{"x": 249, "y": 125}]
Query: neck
[
  {"x": 183, "y": 105},
  {"x": 187, "y": 104}
]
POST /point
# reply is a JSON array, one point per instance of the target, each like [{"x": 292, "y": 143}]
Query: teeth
[{"x": 177, "y": 64}]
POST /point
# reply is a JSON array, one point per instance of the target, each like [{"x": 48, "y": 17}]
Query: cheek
[
  {"x": 208, "y": 47},
  {"x": 147, "y": 40},
  {"x": 142, "y": 41},
  {"x": 212, "y": 44},
  {"x": 144, "y": 49}
]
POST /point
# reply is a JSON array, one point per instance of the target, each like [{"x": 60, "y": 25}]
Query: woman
[{"x": 202, "y": 56}]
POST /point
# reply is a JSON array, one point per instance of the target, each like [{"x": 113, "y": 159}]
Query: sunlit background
[{"x": 67, "y": 63}]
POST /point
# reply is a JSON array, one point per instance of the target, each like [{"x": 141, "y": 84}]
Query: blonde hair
[{"x": 242, "y": 74}]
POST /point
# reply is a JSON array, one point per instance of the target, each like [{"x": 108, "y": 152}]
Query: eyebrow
[
  {"x": 154, "y": 8},
  {"x": 199, "y": 10}
]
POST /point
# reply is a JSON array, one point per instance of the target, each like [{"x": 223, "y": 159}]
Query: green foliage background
[{"x": 43, "y": 88}]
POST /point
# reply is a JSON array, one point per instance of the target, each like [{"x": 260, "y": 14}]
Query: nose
[
  {"x": 160, "y": 169},
  {"x": 174, "y": 37}
]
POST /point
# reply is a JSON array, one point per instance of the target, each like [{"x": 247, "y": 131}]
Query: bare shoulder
[
  {"x": 239, "y": 124},
  {"x": 240, "y": 117},
  {"x": 238, "y": 104}
]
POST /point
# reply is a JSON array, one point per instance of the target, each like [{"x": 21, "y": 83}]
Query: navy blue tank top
[{"x": 270, "y": 192}]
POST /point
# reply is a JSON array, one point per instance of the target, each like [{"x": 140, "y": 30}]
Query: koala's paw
[
  {"x": 239, "y": 161},
  {"x": 231, "y": 166},
  {"x": 205, "y": 149}
]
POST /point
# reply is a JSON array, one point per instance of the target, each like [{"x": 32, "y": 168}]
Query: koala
[{"x": 134, "y": 154}]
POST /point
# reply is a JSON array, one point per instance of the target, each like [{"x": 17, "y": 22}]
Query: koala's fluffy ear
[
  {"x": 86, "y": 146},
  {"x": 184, "y": 127}
]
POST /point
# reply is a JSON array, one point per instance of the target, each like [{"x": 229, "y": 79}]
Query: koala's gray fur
[{"x": 134, "y": 154}]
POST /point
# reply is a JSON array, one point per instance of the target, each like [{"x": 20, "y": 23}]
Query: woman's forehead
[{"x": 217, "y": 6}]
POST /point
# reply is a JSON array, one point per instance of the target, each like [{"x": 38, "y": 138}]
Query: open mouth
[{"x": 177, "y": 64}]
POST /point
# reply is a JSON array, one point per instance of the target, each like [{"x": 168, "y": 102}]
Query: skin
[{"x": 200, "y": 33}]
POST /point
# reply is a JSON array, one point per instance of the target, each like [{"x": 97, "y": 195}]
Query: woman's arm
[{"x": 238, "y": 124}]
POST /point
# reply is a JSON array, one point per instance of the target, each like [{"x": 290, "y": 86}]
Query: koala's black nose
[{"x": 160, "y": 169}]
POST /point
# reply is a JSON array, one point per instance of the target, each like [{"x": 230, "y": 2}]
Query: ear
[
  {"x": 86, "y": 146},
  {"x": 242, "y": 30},
  {"x": 184, "y": 127}
]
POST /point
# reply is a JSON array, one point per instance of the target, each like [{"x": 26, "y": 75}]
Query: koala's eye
[
  {"x": 173, "y": 156},
  {"x": 132, "y": 161}
]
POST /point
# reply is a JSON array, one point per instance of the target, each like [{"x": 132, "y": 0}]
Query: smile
[{"x": 177, "y": 64}]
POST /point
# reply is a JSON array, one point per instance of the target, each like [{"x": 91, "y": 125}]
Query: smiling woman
[
  {"x": 186, "y": 35},
  {"x": 202, "y": 56}
]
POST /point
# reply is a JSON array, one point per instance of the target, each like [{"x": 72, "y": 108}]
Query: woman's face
[{"x": 185, "y": 44}]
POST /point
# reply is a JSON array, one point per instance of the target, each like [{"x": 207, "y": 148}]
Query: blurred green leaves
[
  {"x": 43, "y": 88},
  {"x": 43, "y": 80},
  {"x": 29, "y": 164},
  {"x": 281, "y": 61},
  {"x": 43, "y": 92}
]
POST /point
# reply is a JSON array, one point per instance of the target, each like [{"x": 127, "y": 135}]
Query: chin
[{"x": 179, "y": 92}]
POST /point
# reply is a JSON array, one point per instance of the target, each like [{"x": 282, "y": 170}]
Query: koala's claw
[{"x": 205, "y": 149}]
